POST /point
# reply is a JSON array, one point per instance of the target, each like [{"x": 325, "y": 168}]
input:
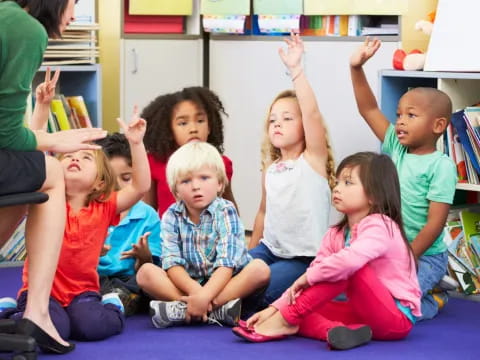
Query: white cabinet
[
  {"x": 151, "y": 67},
  {"x": 248, "y": 74}
]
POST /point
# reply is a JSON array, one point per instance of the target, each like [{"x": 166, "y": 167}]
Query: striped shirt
[{"x": 217, "y": 241}]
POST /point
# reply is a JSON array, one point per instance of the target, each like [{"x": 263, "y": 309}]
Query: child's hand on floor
[
  {"x": 297, "y": 287},
  {"x": 45, "y": 92},
  {"x": 364, "y": 52}
]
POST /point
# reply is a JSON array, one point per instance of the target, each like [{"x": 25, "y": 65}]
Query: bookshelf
[{"x": 76, "y": 80}]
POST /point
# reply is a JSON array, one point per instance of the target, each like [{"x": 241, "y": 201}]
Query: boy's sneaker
[
  {"x": 130, "y": 300},
  {"x": 448, "y": 283},
  {"x": 114, "y": 299},
  {"x": 167, "y": 313},
  {"x": 227, "y": 314},
  {"x": 441, "y": 299},
  {"x": 344, "y": 338},
  {"x": 7, "y": 303}
]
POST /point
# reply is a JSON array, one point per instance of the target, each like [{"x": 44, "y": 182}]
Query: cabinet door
[
  {"x": 247, "y": 75},
  {"x": 152, "y": 67}
]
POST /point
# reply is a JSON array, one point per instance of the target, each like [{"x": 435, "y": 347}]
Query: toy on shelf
[{"x": 415, "y": 59}]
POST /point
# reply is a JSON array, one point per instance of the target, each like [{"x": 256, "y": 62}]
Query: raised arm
[
  {"x": 316, "y": 151},
  {"x": 366, "y": 103},
  {"x": 140, "y": 184},
  {"x": 44, "y": 94}
]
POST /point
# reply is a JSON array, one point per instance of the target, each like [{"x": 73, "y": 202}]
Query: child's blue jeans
[
  {"x": 283, "y": 272},
  {"x": 431, "y": 269}
]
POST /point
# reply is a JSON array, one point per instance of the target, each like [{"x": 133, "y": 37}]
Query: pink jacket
[{"x": 376, "y": 240}]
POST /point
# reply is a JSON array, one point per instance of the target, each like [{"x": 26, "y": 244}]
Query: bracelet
[{"x": 295, "y": 77}]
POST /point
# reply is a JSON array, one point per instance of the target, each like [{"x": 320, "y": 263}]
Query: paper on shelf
[
  {"x": 355, "y": 7},
  {"x": 279, "y": 23},
  {"x": 225, "y": 7},
  {"x": 160, "y": 7},
  {"x": 231, "y": 24},
  {"x": 278, "y": 7}
]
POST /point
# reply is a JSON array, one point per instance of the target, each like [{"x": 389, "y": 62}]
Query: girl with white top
[{"x": 298, "y": 172}]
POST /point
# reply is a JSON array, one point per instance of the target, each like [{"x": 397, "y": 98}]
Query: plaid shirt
[{"x": 218, "y": 240}]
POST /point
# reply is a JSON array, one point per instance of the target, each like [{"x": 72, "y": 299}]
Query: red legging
[{"x": 369, "y": 303}]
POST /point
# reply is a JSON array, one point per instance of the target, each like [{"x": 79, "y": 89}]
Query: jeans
[
  {"x": 283, "y": 272},
  {"x": 431, "y": 269}
]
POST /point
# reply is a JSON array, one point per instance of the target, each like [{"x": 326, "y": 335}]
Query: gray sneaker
[
  {"x": 448, "y": 283},
  {"x": 227, "y": 314},
  {"x": 167, "y": 313}
]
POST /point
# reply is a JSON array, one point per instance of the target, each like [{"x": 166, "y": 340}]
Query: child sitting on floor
[
  {"x": 206, "y": 266},
  {"x": 134, "y": 241},
  {"x": 366, "y": 255}
]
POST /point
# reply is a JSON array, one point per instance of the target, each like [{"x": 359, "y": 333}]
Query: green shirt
[
  {"x": 423, "y": 178},
  {"x": 22, "y": 43}
]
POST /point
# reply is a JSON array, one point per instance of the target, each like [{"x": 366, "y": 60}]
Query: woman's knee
[{"x": 54, "y": 174}]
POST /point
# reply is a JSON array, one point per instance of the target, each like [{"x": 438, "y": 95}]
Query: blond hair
[
  {"x": 192, "y": 157},
  {"x": 105, "y": 176},
  {"x": 270, "y": 153}
]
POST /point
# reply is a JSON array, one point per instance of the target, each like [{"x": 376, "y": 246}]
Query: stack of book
[
  {"x": 14, "y": 249},
  {"x": 462, "y": 237},
  {"x": 462, "y": 144},
  {"x": 78, "y": 45},
  {"x": 68, "y": 112}
]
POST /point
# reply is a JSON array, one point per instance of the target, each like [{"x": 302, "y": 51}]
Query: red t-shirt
[
  {"x": 85, "y": 232},
  {"x": 158, "y": 169}
]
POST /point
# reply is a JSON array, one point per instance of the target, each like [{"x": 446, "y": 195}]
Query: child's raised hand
[
  {"x": 135, "y": 130},
  {"x": 293, "y": 57},
  {"x": 45, "y": 92},
  {"x": 140, "y": 250},
  {"x": 296, "y": 289},
  {"x": 364, "y": 52}
]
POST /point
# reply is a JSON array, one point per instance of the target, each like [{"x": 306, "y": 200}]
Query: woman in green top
[{"x": 24, "y": 29}]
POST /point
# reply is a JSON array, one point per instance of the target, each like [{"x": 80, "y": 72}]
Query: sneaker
[
  {"x": 227, "y": 314},
  {"x": 344, "y": 338},
  {"x": 130, "y": 301},
  {"x": 167, "y": 313},
  {"x": 448, "y": 283},
  {"x": 441, "y": 299},
  {"x": 7, "y": 303},
  {"x": 114, "y": 299}
]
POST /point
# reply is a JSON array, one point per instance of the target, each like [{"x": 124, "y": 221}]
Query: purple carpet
[{"x": 452, "y": 335}]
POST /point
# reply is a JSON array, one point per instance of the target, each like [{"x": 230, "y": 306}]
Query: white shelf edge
[
  {"x": 65, "y": 68},
  {"x": 429, "y": 74},
  {"x": 5, "y": 264},
  {"x": 468, "y": 187}
]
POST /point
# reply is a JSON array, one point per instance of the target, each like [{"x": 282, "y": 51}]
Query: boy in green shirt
[{"x": 427, "y": 176}]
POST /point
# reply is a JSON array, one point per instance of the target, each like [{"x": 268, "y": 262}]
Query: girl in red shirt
[{"x": 191, "y": 114}]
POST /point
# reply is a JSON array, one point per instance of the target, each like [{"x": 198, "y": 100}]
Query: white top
[{"x": 297, "y": 208}]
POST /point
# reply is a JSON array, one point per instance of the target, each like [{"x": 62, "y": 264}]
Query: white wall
[{"x": 248, "y": 74}]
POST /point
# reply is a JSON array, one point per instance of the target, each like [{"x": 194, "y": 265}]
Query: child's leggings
[
  {"x": 369, "y": 303},
  {"x": 86, "y": 318}
]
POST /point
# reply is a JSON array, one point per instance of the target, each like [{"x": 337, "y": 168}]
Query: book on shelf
[{"x": 14, "y": 249}]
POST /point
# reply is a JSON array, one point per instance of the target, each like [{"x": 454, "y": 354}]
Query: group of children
[{"x": 195, "y": 265}]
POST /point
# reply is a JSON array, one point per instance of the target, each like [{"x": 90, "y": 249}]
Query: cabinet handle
[{"x": 135, "y": 64}]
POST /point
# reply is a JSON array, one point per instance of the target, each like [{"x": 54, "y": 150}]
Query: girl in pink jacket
[{"x": 366, "y": 256}]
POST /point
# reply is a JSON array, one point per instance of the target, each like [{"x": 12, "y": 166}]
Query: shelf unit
[
  {"x": 463, "y": 89},
  {"x": 82, "y": 80}
]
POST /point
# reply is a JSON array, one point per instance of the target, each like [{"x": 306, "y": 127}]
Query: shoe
[
  {"x": 251, "y": 336},
  {"x": 44, "y": 341},
  {"x": 114, "y": 299},
  {"x": 227, "y": 314},
  {"x": 448, "y": 283},
  {"x": 130, "y": 300},
  {"x": 167, "y": 313},
  {"x": 441, "y": 299},
  {"x": 7, "y": 303},
  {"x": 243, "y": 324},
  {"x": 343, "y": 338}
]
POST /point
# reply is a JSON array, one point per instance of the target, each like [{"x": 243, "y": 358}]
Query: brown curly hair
[{"x": 159, "y": 139}]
